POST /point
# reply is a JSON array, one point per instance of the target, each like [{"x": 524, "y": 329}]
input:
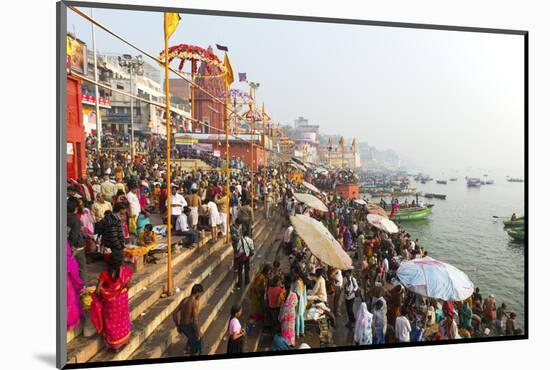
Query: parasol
[
  {"x": 360, "y": 201},
  {"x": 376, "y": 209},
  {"x": 320, "y": 242},
  {"x": 311, "y": 201},
  {"x": 382, "y": 223},
  {"x": 432, "y": 278},
  {"x": 311, "y": 187}
]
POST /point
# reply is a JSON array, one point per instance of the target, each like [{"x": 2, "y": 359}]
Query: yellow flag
[
  {"x": 171, "y": 21},
  {"x": 228, "y": 71}
]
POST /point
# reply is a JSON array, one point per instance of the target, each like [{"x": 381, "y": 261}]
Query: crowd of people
[{"x": 112, "y": 209}]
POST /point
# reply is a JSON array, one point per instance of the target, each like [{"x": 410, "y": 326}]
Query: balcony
[{"x": 90, "y": 100}]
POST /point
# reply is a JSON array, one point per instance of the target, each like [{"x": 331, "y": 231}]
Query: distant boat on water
[
  {"x": 453, "y": 179},
  {"x": 490, "y": 182},
  {"x": 514, "y": 180},
  {"x": 442, "y": 182},
  {"x": 436, "y": 196},
  {"x": 474, "y": 182}
]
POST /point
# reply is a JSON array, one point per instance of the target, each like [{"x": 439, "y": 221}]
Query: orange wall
[
  {"x": 241, "y": 150},
  {"x": 348, "y": 191}
]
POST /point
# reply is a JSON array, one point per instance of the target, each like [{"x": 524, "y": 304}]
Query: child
[
  {"x": 235, "y": 344},
  {"x": 148, "y": 237}
]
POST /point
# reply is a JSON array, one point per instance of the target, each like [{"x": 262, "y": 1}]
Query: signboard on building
[
  {"x": 217, "y": 137},
  {"x": 185, "y": 139},
  {"x": 202, "y": 147},
  {"x": 76, "y": 55}
]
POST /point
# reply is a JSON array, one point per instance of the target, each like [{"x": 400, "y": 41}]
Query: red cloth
[
  {"x": 274, "y": 296},
  {"x": 110, "y": 310}
]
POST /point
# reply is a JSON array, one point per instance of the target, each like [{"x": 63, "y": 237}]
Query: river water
[{"x": 463, "y": 232}]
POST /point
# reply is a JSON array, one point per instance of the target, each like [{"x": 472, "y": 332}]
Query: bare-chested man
[
  {"x": 187, "y": 321},
  {"x": 194, "y": 202}
]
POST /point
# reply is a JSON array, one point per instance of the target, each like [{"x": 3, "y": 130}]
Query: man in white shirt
[
  {"x": 403, "y": 327},
  {"x": 135, "y": 207},
  {"x": 183, "y": 229},
  {"x": 287, "y": 238},
  {"x": 350, "y": 290},
  {"x": 177, "y": 202}
]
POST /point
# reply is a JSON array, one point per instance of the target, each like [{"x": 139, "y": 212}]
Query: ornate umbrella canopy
[
  {"x": 311, "y": 187},
  {"x": 194, "y": 54}
]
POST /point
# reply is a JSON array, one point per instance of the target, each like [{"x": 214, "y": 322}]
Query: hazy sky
[{"x": 443, "y": 100}]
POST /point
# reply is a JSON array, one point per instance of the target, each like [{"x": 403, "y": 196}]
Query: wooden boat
[
  {"x": 412, "y": 213},
  {"x": 443, "y": 182},
  {"x": 518, "y": 222},
  {"x": 490, "y": 182},
  {"x": 453, "y": 179},
  {"x": 474, "y": 182},
  {"x": 516, "y": 233},
  {"x": 513, "y": 224},
  {"x": 437, "y": 196},
  {"x": 514, "y": 180}
]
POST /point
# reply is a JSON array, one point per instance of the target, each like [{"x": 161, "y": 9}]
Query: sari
[
  {"x": 363, "y": 326},
  {"x": 74, "y": 285},
  {"x": 287, "y": 318},
  {"x": 257, "y": 297},
  {"x": 110, "y": 310},
  {"x": 300, "y": 289}
]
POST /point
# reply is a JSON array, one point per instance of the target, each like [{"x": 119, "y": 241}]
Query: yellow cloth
[
  {"x": 228, "y": 71},
  {"x": 171, "y": 21}
]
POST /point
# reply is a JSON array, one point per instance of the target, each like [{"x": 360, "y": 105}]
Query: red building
[
  {"x": 207, "y": 109},
  {"x": 76, "y": 137}
]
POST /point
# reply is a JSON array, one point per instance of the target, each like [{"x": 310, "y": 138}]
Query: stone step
[
  {"x": 81, "y": 349},
  {"x": 218, "y": 291},
  {"x": 217, "y": 334},
  {"x": 142, "y": 279},
  {"x": 144, "y": 326}
]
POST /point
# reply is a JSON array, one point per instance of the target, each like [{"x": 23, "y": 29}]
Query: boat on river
[
  {"x": 443, "y": 182},
  {"x": 436, "y": 196},
  {"x": 518, "y": 222},
  {"x": 474, "y": 182},
  {"x": 516, "y": 233},
  {"x": 453, "y": 179},
  {"x": 412, "y": 213}
]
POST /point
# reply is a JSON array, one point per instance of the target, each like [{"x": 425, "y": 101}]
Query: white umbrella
[
  {"x": 382, "y": 223},
  {"x": 320, "y": 242},
  {"x": 360, "y": 201},
  {"x": 311, "y": 201},
  {"x": 435, "y": 279},
  {"x": 311, "y": 187}
]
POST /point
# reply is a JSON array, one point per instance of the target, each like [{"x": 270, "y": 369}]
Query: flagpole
[
  {"x": 227, "y": 92},
  {"x": 252, "y": 137},
  {"x": 192, "y": 93},
  {"x": 168, "y": 179},
  {"x": 265, "y": 158},
  {"x": 97, "y": 113}
]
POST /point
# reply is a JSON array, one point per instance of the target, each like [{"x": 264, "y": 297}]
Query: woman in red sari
[{"x": 110, "y": 310}]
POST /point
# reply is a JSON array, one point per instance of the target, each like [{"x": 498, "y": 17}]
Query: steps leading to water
[
  {"x": 218, "y": 291},
  {"x": 210, "y": 264}
]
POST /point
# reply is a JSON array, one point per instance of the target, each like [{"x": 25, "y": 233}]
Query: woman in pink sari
[
  {"x": 74, "y": 285},
  {"x": 287, "y": 318},
  {"x": 110, "y": 310}
]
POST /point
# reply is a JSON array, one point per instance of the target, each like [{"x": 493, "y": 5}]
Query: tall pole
[
  {"x": 227, "y": 91},
  {"x": 132, "y": 113},
  {"x": 253, "y": 137},
  {"x": 265, "y": 157},
  {"x": 97, "y": 114},
  {"x": 192, "y": 92},
  {"x": 168, "y": 170}
]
